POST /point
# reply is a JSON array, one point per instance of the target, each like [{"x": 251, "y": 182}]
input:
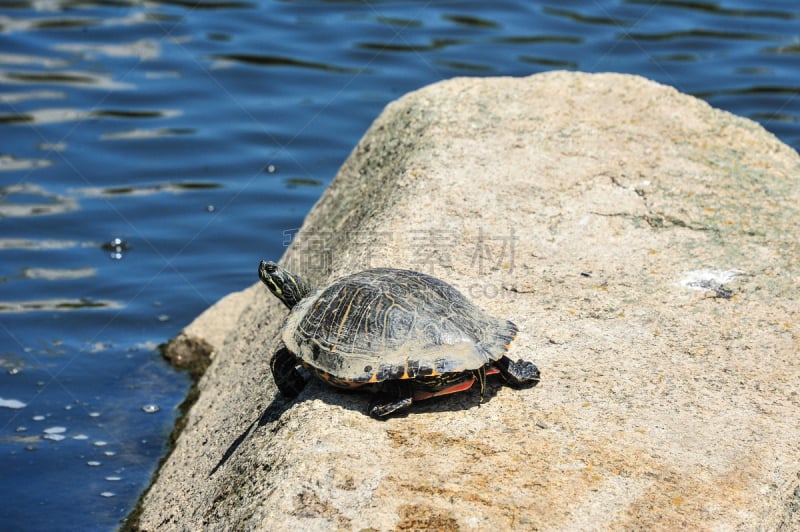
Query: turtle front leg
[
  {"x": 285, "y": 373},
  {"x": 519, "y": 373},
  {"x": 395, "y": 397}
]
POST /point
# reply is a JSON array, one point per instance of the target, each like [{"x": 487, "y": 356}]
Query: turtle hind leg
[
  {"x": 519, "y": 373},
  {"x": 395, "y": 397},
  {"x": 285, "y": 373}
]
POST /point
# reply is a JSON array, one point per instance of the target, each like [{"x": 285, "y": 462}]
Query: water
[{"x": 151, "y": 153}]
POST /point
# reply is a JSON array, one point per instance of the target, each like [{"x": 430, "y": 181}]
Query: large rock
[{"x": 646, "y": 244}]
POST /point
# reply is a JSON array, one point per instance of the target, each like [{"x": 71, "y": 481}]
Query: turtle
[{"x": 405, "y": 335}]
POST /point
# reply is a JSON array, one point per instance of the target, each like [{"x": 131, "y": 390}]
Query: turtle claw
[
  {"x": 395, "y": 397},
  {"x": 381, "y": 409},
  {"x": 285, "y": 373},
  {"x": 519, "y": 373}
]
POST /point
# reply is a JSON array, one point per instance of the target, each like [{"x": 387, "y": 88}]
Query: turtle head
[{"x": 286, "y": 286}]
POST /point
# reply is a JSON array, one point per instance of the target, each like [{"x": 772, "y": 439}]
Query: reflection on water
[
  {"x": 187, "y": 137},
  {"x": 275, "y": 61},
  {"x": 144, "y": 49},
  {"x": 577, "y": 16},
  {"x": 714, "y": 8},
  {"x": 58, "y": 274},
  {"x": 57, "y": 305},
  {"x": 144, "y": 190},
  {"x": 27, "y": 199},
  {"x": 9, "y": 163},
  {"x": 700, "y": 34},
  {"x": 430, "y": 46},
  {"x": 550, "y": 63},
  {"x": 147, "y": 133},
  {"x": 63, "y": 77},
  {"x": 21, "y": 243},
  {"x": 50, "y": 116},
  {"x": 19, "y": 97}
]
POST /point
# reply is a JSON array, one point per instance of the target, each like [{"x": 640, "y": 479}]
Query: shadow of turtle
[
  {"x": 358, "y": 400},
  {"x": 272, "y": 413}
]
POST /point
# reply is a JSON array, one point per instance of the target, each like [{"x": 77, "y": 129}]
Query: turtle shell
[{"x": 385, "y": 323}]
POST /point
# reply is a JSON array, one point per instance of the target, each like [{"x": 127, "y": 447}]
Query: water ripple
[
  {"x": 31, "y": 60},
  {"x": 58, "y": 274},
  {"x": 22, "y": 243},
  {"x": 433, "y": 45},
  {"x": 66, "y": 78},
  {"x": 705, "y": 34},
  {"x": 277, "y": 61},
  {"x": 9, "y": 163},
  {"x": 538, "y": 39},
  {"x": 715, "y": 9},
  {"x": 144, "y": 49},
  {"x": 56, "y": 115},
  {"x": 147, "y": 133},
  {"x": 144, "y": 190},
  {"x": 586, "y": 19},
  {"x": 471, "y": 21},
  {"x": 58, "y": 305},
  {"x": 19, "y": 97},
  {"x": 27, "y": 199}
]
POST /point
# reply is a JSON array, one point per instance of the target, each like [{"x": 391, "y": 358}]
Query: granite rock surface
[{"x": 647, "y": 246}]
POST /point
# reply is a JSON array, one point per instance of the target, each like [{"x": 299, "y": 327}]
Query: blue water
[{"x": 151, "y": 153}]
